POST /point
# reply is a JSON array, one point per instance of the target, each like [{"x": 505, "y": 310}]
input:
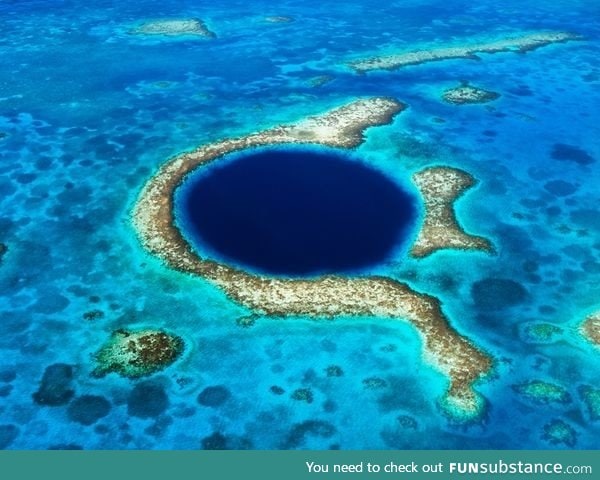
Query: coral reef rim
[{"x": 154, "y": 219}]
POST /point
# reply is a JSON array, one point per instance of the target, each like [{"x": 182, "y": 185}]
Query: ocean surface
[{"x": 90, "y": 111}]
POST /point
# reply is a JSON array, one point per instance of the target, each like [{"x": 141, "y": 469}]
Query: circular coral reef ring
[{"x": 329, "y": 295}]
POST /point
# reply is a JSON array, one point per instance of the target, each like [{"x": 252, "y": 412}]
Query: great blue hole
[{"x": 295, "y": 212}]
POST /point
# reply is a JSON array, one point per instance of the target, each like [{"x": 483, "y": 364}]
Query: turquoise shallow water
[{"x": 88, "y": 113}]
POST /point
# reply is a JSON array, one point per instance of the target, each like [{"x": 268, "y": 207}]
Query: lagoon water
[{"x": 89, "y": 112}]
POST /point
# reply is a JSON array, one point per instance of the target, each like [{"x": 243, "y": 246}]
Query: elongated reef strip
[
  {"x": 440, "y": 188},
  {"x": 327, "y": 296},
  {"x": 523, "y": 43},
  {"x": 174, "y": 27},
  {"x": 590, "y": 328}
]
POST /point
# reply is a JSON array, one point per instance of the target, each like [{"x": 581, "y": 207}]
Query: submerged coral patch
[
  {"x": 591, "y": 398},
  {"x": 560, "y": 188},
  {"x": 309, "y": 428},
  {"x": 558, "y": 432},
  {"x": 88, "y": 409},
  {"x": 8, "y": 433},
  {"x": 497, "y": 293},
  {"x": 147, "y": 400},
  {"x": 571, "y": 153},
  {"x": 214, "y": 396},
  {"x": 215, "y": 441},
  {"x": 56, "y": 386},
  {"x": 542, "y": 392},
  {"x": 540, "y": 332},
  {"x": 303, "y": 395}
]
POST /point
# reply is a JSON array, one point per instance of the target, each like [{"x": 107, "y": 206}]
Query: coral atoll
[
  {"x": 137, "y": 354},
  {"x": 325, "y": 296}
]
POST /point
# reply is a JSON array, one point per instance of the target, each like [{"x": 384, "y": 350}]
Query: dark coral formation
[
  {"x": 215, "y": 441},
  {"x": 497, "y": 293},
  {"x": 320, "y": 80},
  {"x": 591, "y": 399},
  {"x": 147, "y": 400},
  {"x": 407, "y": 422},
  {"x": 137, "y": 354},
  {"x": 277, "y": 390},
  {"x": 88, "y": 409},
  {"x": 7, "y": 375},
  {"x": 8, "y": 433},
  {"x": 220, "y": 441},
  {"x": 247, "y": 321},
  {"x": 3, "y": 250},
  {"x": 314, "y": 428},
  {"x": 65, "y": 446},
  {"x": 214, "y": 396},
  {"x": 374, "y": 383},
  {"x": 303, "y": 395},
  {"x": 559, "y": 432},
  {"x": 571, "y": 153},
  {"x": 92, "y": 315},
  {"x": 560, "y": 188},
  {"x": 334, "y": 371},
  {"x": 55, "y": 387}
]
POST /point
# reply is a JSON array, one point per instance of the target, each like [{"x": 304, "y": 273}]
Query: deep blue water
[
  {"x": 89, "y": 112},
  {"x": 295, "y": 213}
]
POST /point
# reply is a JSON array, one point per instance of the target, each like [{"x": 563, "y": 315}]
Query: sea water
[{"x": 89, "y": 112}]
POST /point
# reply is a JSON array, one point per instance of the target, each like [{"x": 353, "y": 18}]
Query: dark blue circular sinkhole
[{"x": 295, "y": 212}]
